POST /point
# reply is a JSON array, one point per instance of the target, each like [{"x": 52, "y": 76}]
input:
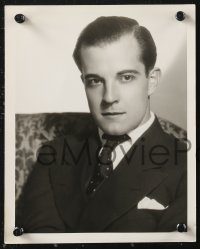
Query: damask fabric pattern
[{"x": 32, "y": 130}]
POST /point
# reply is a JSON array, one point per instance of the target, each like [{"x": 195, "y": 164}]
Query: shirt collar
[{"x": 137, "y": 132}]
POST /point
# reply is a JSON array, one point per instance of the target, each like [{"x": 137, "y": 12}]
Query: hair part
[{"x": 110, "y": 29}]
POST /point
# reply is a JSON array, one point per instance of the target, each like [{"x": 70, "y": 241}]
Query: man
[{"x": 136, "y": 182}]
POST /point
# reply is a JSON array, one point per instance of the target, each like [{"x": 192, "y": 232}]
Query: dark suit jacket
[{"x": 55, "y": 200}]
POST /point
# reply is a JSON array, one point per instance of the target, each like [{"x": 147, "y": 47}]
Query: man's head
[{"x": 116, "y": 57}]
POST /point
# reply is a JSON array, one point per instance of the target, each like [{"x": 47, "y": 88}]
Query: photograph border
[{"x": 129, "y": 245}]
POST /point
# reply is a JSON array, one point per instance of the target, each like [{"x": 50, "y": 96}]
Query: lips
[{"x": 112, "y": 113}]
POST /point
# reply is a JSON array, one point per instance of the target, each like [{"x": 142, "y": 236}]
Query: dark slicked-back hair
[{"x": 105, "y": 30}]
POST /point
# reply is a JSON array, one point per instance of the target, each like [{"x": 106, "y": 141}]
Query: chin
[{"x": 113, "y": 130}]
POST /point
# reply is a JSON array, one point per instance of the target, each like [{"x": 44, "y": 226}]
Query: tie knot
[{"x": 114, "y": 140}]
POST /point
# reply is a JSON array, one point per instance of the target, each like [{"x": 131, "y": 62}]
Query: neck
[{"x": 146, "y": 116}]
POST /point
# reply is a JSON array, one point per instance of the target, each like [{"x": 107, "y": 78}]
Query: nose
[{"x": 110, "y": 94}]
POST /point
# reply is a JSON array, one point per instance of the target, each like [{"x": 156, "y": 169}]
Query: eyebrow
[
  {"x": 128, "y": 71},
  {"x": 87, "y": 76}
]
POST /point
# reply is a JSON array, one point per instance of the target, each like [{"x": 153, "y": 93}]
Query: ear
[{"x": 153, "y": 80}]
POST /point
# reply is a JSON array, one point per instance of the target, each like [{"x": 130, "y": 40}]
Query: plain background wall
[{"x": 41, "y": 72}]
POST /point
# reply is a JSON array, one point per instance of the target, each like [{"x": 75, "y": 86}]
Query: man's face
[{"x": 116, "y": 85}]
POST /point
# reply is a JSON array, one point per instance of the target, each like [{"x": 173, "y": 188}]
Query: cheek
[
  {"x": 137, "y": 95},
  {"x": 93, "y": 99}
]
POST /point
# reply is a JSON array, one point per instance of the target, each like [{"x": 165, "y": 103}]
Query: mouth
[{"x": 110, "y": 114}]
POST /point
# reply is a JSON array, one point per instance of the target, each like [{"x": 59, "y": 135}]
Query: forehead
[{"x": 121, "y": 54}]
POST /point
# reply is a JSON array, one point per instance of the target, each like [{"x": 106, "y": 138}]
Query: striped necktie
[{"x": 105, "y": 165}]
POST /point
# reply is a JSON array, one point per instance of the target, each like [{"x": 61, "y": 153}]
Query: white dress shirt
[{"x": 124, "y": 147}]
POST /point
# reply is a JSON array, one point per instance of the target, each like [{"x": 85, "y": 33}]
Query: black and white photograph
[{"x": 100, "y": 108}]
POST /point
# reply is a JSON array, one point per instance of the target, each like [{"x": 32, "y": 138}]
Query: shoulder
[
  {"x": 166, "y": 141},
  {"x": 166, "y": 151},
  {"x": 69, "y": 146},
  {"x": 177, "y": 148}
]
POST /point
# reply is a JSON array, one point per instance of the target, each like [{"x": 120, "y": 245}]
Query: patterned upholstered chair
[{"x": 34, "y": 129}]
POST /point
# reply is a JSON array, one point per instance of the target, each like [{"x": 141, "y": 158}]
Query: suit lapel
[
  {"x": 130, "y": 182},
  {"x": 76, "y": 159},
  {"x": 94, "y": 144}
]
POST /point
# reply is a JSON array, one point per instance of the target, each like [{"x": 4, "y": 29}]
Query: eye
[
  {"x": 93, "y": 81},
  {"x": 127, "y": 77}
]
